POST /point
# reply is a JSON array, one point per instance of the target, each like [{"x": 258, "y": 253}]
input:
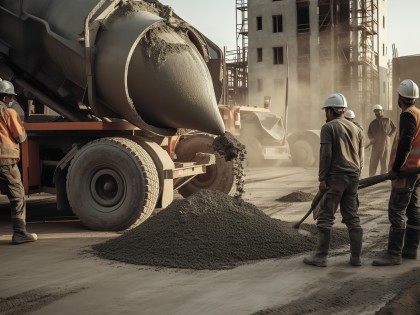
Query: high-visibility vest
[
  {"x": 413, "y": 158},
  {"x": 12, "y": 133}
]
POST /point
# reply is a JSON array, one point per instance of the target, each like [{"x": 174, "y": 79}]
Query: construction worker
[
  {"x": 12, "y": 134},
  {"x": 404, "y": 201},
  {"x": 340, "y": 165},
  {"x": 379, "y": 132},
  {"x": 350, "y": 115},
  {"x": 16, "y": 106}
]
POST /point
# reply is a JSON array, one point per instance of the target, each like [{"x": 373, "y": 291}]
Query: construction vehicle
[
  {"x": 264, "y": 132},
  {"x": 260, "y": 130},
  {"x": 265, "y": 137},
  {"x": 118, "y": 80}
]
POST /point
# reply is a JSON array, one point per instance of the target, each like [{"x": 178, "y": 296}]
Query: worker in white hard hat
[
  {"x": 404, "y": 201},
  {"x": 340, "y": 165},
  {"x": 13, "y": 104},
  {"x": 380, "y": 130},
  {"x": 12, "y": 133},
  {"x": 350, "y": 115}
]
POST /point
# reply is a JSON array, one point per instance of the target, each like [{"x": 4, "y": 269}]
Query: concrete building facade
[{"x": 299, "y": 51}]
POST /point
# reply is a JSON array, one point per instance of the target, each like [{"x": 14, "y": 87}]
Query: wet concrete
[
  {"x": 297, "y": 196},
  {"x": 233, "y": 150},
  {"x": 210, "y": 230}
]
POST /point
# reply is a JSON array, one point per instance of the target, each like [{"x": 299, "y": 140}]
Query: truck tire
[
  {"x": 302, "y": 153},
  {"x": 219, "y": 176},
  {"x": 112, "y": 184}
]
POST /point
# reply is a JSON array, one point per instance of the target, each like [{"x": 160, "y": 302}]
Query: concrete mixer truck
[{"x": 122, "y": 78}]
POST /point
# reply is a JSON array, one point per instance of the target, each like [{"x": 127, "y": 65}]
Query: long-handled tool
[
  {"x": 373, "y": 180},
  {"x": 363, "y": 183},
  {"x": 314, "y": 204}
]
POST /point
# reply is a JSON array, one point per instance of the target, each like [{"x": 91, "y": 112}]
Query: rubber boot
[
  {"x": 20, "y": 235},
  {"x": 319, "y": 259},
  {"x": 411, "y": 243},
  {"x": 393, "y": 255},
  {"x": 356, "y": 237}
]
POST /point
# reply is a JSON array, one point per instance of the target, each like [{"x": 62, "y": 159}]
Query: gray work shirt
[
  {"x": 380, "y": 130},
  {"x": 341, "y": 149}
]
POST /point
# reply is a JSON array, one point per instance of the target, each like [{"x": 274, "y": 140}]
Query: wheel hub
[{"x": 107, "y": 187}]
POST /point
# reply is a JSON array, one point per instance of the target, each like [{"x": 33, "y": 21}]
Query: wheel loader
[{"x": 106, "y": 86}]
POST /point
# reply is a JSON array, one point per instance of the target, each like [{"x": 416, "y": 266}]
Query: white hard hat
[
  {"x": 377, "y": 107},
  {"x": 408, "y": 89},
  {"x": 349, "y": 114},
  {"x": 6, "y": 87},
  {"x": 335, "y": 100}
]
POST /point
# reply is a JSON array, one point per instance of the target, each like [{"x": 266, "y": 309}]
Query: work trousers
[
  {"x": 11, "y": 185},
  {"x": 342, "y": 191},
  {"x": 380, "y": 154},
  {"x": 404, "y": 202}
]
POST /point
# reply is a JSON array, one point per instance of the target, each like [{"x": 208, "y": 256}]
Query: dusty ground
[{"x": 58, "y": 274}]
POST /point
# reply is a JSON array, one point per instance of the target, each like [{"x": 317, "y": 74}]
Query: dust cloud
[{"x": 305, "y": 99}]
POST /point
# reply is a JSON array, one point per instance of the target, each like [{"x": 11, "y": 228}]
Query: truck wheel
[
  {"x": 302, "y": 153},
  {"x": 112, "y": 184},
  {"x": 219, "y": 176}
]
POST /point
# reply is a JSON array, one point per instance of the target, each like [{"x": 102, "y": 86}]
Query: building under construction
[{"x": 299, "y": 51}]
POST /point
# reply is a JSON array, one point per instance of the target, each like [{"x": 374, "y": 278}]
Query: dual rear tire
[{"x": 112, "y": 184}]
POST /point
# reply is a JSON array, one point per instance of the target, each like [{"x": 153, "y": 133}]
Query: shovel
[
  {"x": 363, "y": 183},
  {"x": 314, "y": 204}
]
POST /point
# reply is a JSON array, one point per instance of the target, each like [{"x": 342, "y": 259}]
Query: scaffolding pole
[{"x": 236, "y": 66}]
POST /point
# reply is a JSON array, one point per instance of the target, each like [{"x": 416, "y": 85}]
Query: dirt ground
[{"x": 59, "y": 274}]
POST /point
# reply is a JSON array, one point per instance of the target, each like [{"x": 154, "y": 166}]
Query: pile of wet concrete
[
  {"x": 210, "y": 230},
  {"x": 297, "y": 196}
]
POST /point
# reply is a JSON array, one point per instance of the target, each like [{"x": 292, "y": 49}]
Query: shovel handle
[
  {"x": 373, "y": 180},
  {"x": 363, "y": 183},
  {"x": 314, "y": 203}
]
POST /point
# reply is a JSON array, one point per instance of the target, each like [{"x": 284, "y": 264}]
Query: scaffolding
[
  {"x": 347, "y": 44},
  {"x": 242, "y": 24},
  {"x": 347, "y": 48},
  {"x": 236, "y": 75},
  {"x": 365, "y": 52}
]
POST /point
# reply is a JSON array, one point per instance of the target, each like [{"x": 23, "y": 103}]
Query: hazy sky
[{"x": 217, "y": 20}]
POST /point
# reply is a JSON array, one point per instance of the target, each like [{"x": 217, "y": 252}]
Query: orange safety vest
[
  {"x": 12, "y": 133},
  {"x": 413, "y": 158}
]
